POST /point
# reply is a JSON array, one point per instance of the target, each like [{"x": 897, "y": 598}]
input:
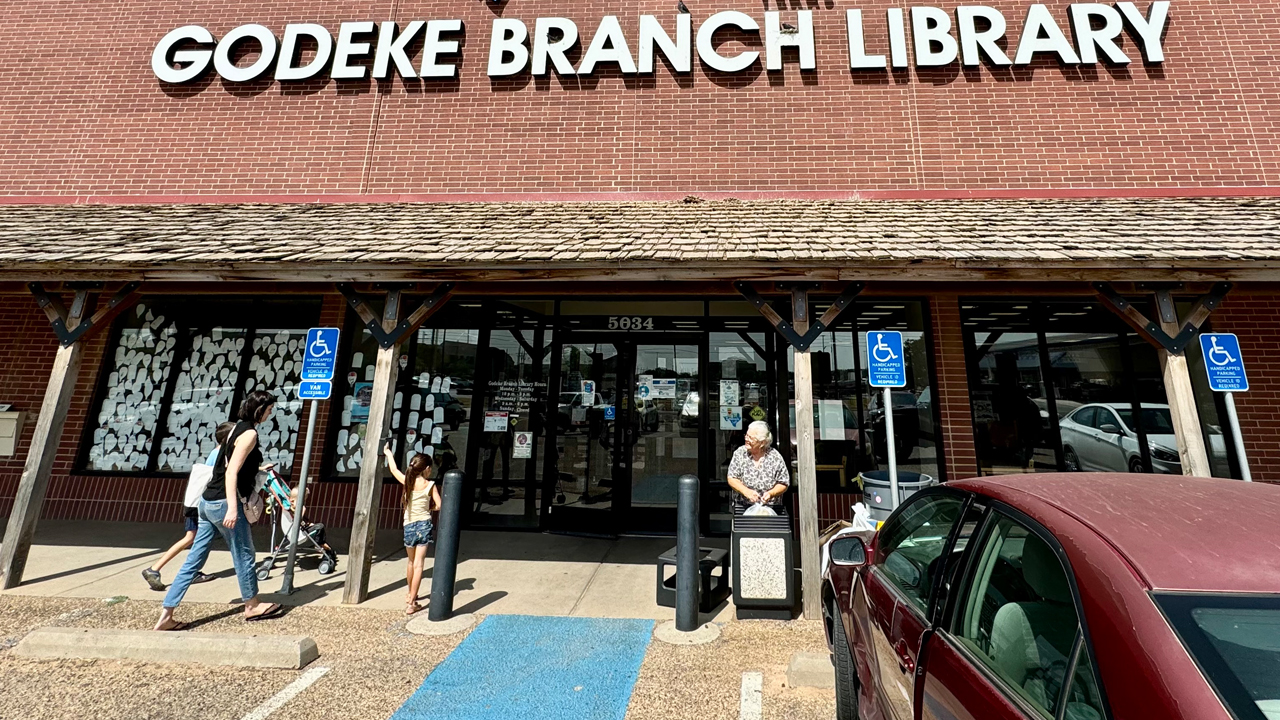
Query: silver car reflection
[{"x": 1103, "y": 437}]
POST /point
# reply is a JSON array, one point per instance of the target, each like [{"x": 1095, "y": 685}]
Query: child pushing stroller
[{"x": 282, "y": 501}]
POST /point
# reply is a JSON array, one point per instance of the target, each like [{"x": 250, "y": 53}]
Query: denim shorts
[{"x": 418, "y": 533}]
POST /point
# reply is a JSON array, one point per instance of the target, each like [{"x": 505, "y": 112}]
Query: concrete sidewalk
[{"x": 498, "y": 572}]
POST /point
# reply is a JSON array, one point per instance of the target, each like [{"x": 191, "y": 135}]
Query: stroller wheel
[
  {"x": 326, "y": 567},
  {"x": 263, "y": 573}
]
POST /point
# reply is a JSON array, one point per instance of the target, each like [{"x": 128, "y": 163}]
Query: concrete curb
[
  {"x": 422, "y": 625},
  {"x": 667, "y": 633},
  {"x": 811, "y": 669},
  {"x": 260, "y": 651}
]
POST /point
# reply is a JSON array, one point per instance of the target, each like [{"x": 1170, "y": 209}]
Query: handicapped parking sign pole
[
  {"x": 286, "y": 586},
  {"x": 887, "y": 369},
  {"x": 1224, "y": 365},
  {"x": 1236, "y": 437},
  {"x": 320, "y": 360}
]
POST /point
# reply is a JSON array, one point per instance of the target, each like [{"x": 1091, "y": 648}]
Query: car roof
[{"x": 1177, "y": 532}]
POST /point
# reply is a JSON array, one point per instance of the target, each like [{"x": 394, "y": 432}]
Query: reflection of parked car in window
[
  {"x": 689, "y": 410},
  {"x": 454, "y": 413},
  {"x": 906, "y": 425},
  {"x": 1103, "y": 437},
  {"x": 566, "y": 418}
]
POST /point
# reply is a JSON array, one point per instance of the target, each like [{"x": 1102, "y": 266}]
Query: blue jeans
[{"x": 239, "y": 539}]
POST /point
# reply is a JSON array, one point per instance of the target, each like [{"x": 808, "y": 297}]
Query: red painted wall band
[{"x": 980, "y": 194}]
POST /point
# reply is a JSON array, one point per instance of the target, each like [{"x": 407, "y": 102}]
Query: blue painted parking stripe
[{"x": 535, "y": 668}]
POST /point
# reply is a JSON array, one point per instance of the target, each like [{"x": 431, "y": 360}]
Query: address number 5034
[{"x": 629, "y": 322}]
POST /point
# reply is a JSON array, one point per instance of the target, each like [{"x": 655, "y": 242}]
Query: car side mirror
[
  {"x": 848, "y": 551},
  {"x": 1110, "y": 429}
]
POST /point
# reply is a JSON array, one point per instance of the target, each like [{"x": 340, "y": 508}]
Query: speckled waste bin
[{"x": 763, "y": 560}]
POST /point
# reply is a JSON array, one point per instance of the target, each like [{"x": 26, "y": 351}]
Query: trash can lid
[{"x": 881, "y": 477}]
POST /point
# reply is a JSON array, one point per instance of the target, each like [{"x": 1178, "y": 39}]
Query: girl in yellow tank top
[{"x": 421, "y": 496}]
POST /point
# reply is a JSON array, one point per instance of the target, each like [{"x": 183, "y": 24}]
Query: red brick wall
[
  {"x": 1204, "y": 118},
  {"x": 1254, "y": 315},
  {"x": 961, "y": 460}
]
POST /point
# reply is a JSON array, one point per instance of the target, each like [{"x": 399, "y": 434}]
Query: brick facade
[
  {"x": 1208, "y": 117},
  {"x": 1255, "y": 317}
]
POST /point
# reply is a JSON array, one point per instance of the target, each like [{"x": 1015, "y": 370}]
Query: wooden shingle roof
[{"x": 1205, "y": 234}]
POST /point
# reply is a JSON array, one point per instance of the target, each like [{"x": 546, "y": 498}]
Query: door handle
[{"x": 905, "y": 663}]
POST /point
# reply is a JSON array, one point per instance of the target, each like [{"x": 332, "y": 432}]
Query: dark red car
[{"x": 1076, "y": 596}]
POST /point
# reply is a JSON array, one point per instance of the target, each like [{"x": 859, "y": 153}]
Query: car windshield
[
  {"x": 1156, "y": 421},
  {"x": 1236, "y": 642}
]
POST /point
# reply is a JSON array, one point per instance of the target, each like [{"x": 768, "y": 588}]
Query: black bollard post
[
  {"x": 445, "y": 568},
  {"x": 688, "y": 554}
]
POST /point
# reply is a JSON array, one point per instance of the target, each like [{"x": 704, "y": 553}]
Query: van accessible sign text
[{"x": 973, "y": 34}]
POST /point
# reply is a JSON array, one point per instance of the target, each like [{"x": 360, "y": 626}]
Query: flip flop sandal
[
  {"x": 412, "y": 608},
  {"x": 177, "y": 627},
  {"x": 267, "y": 614}
]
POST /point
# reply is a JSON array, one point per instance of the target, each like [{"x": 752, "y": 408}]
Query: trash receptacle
[
  {"x": 763, "y": 562},
  {"x": 878, "y": 493}
]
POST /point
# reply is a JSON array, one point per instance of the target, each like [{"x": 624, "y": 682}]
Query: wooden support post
[
  {"x": 1181, "y": 396},
  {"x": 369, "y": 494},
  {"x": 29, "y": 500},
  {"x": 806, "y": 464}
]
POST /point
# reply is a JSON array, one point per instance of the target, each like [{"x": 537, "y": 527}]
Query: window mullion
[
  {"x": 242, "y": 374},
  {"x": 181, "y": 351}
]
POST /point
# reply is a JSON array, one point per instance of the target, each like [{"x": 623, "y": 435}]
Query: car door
[
  {"x": 897, "y": 590},
  {"x": 1077, "y": 437},
  {"x": 1111, "y": 453},
  {"x": 1010, "y": 644}
]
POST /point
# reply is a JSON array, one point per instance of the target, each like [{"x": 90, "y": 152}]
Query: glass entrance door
[
  {"x": 586, "y": 467},
  {"x": 666, "y": 420},
  {"x": 627, "y": 427}
]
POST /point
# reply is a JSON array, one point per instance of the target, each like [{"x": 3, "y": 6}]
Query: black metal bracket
[
  {"x": 785, "y": 328},
  {"x": 406, "y": 326},
  {"x": 1150, "y": 330},
  {"x": 59, "y": 318}
]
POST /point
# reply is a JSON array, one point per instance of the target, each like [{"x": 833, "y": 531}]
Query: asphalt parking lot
[{"x": 373, "y": 666}]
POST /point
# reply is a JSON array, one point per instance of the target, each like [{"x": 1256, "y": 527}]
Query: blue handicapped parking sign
[
  {"x": 885, "y": 364},
  {"x": 321, "y": 356},
  {"x": 1223, "y": 362}
]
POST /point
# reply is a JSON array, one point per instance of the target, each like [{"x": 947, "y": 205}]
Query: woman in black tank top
[{"x": 221, "y": 513}]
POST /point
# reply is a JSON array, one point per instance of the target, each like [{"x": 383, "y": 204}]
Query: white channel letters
[{"x": 928, "y": 35}]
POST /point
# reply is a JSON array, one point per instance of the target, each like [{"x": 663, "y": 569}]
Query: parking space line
[
  {"x": 751, "y": 702},
  {"x": 290, "y": 691}
]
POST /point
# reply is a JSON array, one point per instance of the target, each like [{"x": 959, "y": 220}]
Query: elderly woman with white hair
[{"x": 757, "y": 471}]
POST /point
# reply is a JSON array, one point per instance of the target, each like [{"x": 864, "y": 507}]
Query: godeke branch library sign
[{"x": 368, "y": 50}]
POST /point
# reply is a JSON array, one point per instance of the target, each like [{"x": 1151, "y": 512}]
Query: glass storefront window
[
  {"x": 152, "y": 419},
  {"x": 1066, "y": 385},
  {"x": 849, "y": 415},
  {"x": 137, "y": 372},
  {"x": 431, "y": 406},
  {"x": 737, "y": 377}
]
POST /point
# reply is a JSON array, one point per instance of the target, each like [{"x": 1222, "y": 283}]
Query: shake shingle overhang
[{"x": 715, "y": 237}]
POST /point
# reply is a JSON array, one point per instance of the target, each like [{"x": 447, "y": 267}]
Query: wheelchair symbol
[
  {"x": 323, "y": 347},
  {"x": 879, "y": 346},
  {"x": 1216, "y": 352}
]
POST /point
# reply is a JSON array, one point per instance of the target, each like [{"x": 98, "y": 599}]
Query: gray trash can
[
  {"x": 763, "y": 562},
  {"x": 876, "y": 490}
]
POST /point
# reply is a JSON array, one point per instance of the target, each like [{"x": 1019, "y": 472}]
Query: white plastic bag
[
  {"x": 862, "y": 518},
  {"x": 759, "y": 510}
]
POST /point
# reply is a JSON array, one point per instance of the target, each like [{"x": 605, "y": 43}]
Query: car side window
[
  {"x": 1085, "y": 417},
  {"x": 1106, "y": 417},
  {"x": 910, "y": 547},
  {"x": 1018, "y": 616}
]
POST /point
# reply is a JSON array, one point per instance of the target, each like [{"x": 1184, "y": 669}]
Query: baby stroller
[{"x": 279, "y": 505}]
